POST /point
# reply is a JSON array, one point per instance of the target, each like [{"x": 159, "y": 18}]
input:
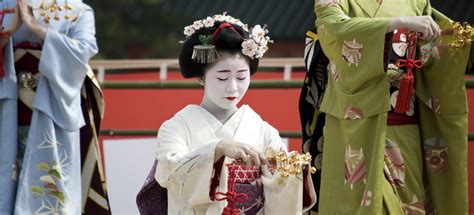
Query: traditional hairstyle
[{"x": 209, "y": 39}]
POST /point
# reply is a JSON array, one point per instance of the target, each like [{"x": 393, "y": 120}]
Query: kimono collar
[{"x": 370, "y": 7}]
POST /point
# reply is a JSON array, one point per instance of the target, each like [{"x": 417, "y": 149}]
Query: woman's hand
[
  {"x": 26, "y": 14},
  {"x": 425, "y": 25},
  {"x": 237, "y": 150}
]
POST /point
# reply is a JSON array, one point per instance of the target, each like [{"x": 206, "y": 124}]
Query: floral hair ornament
[{"x": 254, "y": 47}]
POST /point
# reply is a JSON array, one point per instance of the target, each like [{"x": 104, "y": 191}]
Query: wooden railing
[{"x": 163, "y": 65}]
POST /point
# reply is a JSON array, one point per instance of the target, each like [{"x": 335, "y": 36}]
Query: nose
[{"x": 232, "y": 86}]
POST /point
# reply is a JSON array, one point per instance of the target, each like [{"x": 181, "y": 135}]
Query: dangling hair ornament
[{"x": 206, "y": 52}]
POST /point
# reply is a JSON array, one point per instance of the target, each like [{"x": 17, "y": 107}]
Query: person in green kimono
[{"x": 395, "y": 138}]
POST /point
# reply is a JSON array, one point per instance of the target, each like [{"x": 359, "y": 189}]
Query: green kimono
[{"x": 358, "y": 171}]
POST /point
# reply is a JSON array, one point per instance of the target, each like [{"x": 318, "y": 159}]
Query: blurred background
[
  {"x": 139, "y": 43},
  {"x": 152, "y": 28}
]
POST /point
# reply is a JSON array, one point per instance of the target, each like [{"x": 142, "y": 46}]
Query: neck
[{"x": 219, "y": 113}]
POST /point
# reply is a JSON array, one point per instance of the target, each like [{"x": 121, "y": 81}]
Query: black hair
[{"x": 227, "y": 41}]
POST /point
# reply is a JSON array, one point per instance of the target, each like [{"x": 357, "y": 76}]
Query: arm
[
  {"x": 61, "y": 52},
  {"x": 365, "y": 36},
  {"x": 184, "y": 172},
  {"x": 272, "y": 138},
  {"x": 362, "y": 40}
]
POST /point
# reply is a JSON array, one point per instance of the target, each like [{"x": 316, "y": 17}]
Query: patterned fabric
[
  {"x": 255, "y": 196},
  {"x": 94, "y": 192},
  {"x": 152, "y": 199},
  {"x": 312, "y": 92},
  {"x": 395, "y": 73},
  {"x": 247, "y": 180},
  {"x": 246, "y": 175},
  {"x": 45, "y": 173},
  {"x": 372, "y": 168}
]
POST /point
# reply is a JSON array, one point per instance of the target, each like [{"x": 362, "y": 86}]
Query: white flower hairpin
[{"x": 254, "y": 47}]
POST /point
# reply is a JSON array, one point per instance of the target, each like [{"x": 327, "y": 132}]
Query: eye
[
  {"x": 242, "y": 78},
  {"x": 222, "y": 79}
]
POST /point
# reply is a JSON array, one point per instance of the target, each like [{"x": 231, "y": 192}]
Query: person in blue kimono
[{"x": 47, "y": 45}]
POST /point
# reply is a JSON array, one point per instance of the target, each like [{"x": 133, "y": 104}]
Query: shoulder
[
  {"x": 80, "y": 6},
  {"x": 81, "y": 10},
  {"x": 248, "y": 111},
  {"x": 178, "y": 121},
  {"x": 256, "y": 117}
]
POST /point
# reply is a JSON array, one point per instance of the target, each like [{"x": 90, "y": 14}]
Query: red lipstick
[{"x": 231, "y": 98}]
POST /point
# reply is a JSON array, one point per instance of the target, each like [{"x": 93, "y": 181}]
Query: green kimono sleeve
[
  {"x": 355, "y": 43},
  {"x": 441, "y": 91},
  {"x": 355, "y": 47}
]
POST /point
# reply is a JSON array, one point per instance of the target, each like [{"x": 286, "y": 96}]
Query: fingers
[
  {"x": 241, "y": 151},
  {"x": 253, "y": 156},
  {"x": 22, "y": 8},
  {"x": 429, "y": 28},
  {"x": 263, "y": 159},
  {"x": 436, "y": 29},
  {"x": 25, "y": 9}
]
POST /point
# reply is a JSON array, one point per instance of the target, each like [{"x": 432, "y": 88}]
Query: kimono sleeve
[
  {"x": 355, "y": 45},
  {"x": 63, "y": 66},
  {"x": 272, "y": 138},
  {"x": 292, "y": 195},
  {"x": 449, "y": 96},
  {"x": 63, "y": 52},
  {"x": 185, "y": 172}
]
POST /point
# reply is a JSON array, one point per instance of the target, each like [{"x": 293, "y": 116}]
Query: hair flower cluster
[{"x": 257, "y": 44}]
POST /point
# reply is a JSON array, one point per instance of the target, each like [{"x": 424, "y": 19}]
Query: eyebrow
[{"x": 222, "y": 71}]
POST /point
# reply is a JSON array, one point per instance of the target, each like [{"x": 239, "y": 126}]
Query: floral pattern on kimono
[
  {"x": 53, "y": 175},
  {"x": 436, "y": 155}
]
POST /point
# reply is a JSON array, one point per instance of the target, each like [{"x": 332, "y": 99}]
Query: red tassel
[
  {"x": 405, "y": 93},
  {"x": 407, "y": 83}
]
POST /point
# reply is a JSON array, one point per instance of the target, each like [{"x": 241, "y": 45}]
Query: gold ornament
[
  {"x": 47, "y": 9},
  {"x": 292, "y": 163},
  {"x": 462, "y": 34}
]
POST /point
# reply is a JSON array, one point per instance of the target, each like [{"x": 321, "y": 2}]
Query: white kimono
[{"x": 185, "y": 154}]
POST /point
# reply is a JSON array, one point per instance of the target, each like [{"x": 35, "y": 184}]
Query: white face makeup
[{"x": 226, "y": 82}]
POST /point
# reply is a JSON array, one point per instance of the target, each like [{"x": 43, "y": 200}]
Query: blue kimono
[{"x": 40, "y": 168}]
